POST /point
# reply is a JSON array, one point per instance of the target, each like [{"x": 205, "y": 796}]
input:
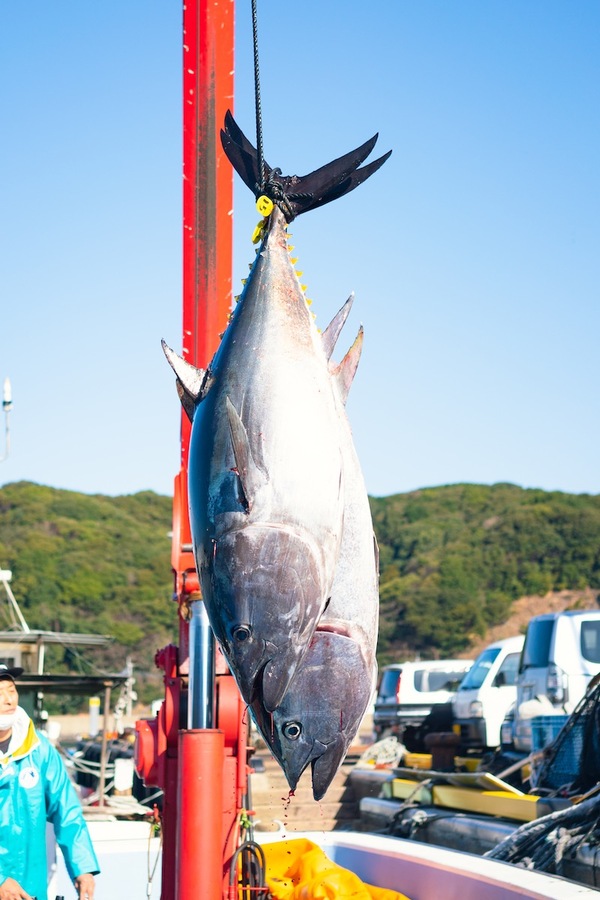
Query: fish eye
[
  {"x": 292, "y": 730},
  {"x": 241, "y": 633}
]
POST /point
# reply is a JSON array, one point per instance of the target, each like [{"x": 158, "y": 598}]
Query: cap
[{"x": 10, "y": 672}]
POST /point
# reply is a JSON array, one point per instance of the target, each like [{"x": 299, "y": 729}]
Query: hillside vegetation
[
  {"x": 455, "y": 558},
  {"x": 453, "y": 562},
  {"x": 91, "y": 564}
]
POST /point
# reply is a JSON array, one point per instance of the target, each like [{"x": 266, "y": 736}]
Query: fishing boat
[{"x": 128, "y": 856}]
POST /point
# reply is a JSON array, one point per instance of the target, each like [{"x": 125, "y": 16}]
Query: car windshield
[
  {"x": 478, "y": 673},
  {"x": 536, "y": 651},
  {"x": 389, "y": 682},
  {"x": 437, "y": 679}
]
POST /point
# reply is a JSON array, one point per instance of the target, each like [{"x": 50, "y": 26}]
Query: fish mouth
[
  {"x": 294, "y": 769},
  {"x": 325, "y": 766},
  {"x": 271, "y": 587}
]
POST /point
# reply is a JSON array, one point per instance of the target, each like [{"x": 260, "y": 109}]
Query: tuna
[
  {"x": 265, "y": 476},
  {"x": 279, "y": 515},
  {"x": 331, "y": 689}
]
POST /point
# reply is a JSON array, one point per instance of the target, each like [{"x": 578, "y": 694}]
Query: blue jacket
[{"x": 35, "y": 788}]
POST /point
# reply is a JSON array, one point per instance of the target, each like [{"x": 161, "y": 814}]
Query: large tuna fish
[
  {"x": 266, "y": 484},
  {"x": 265, "y": 478},
  {"x": 327, "y": 699}
]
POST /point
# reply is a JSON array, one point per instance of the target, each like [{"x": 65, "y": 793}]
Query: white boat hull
[{"x": 421, "y": 871}]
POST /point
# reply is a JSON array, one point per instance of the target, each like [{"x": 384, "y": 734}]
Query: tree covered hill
[
  {"x": 92, "y": 564},
  {"x": 453, "y": 560}
]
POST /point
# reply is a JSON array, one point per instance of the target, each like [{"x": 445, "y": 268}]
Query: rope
[
  {"x": 257, "y": 101},
  {"x": 152, "y": 868},
  {"x": 252, "y": 884}
]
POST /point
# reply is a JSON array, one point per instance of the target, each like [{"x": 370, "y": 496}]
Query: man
[{"x": 34, "y": 789}]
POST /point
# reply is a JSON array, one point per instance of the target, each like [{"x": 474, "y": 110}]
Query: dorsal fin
[
  {"x": 345, "y": 372},
  {"x": 192, "y": 384},
  {"x": 251, "y": 478},
  {"x": 332, "y": 332}
]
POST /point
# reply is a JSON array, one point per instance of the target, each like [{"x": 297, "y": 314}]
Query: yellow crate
[{"x": 417, "y": 760}]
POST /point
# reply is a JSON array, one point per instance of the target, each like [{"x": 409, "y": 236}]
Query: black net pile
[
  {"x": 571, "y": 765},
  {"x": 571, "y": 769},
  {"x": 545, "y": 843}
]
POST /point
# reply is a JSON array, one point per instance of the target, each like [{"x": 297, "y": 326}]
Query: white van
[
  {"x": 408, "y": 691},
  {"x": 560, "y": 656},
  {"x": 486, "y": 693}
]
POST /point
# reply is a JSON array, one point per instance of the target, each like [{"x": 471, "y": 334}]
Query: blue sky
[{"x": 473, "y": 254}]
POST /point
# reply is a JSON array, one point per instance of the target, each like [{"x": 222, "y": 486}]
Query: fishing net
[
  {"x": 571, "y": 764},
  {"x": 570, "y": 768}
]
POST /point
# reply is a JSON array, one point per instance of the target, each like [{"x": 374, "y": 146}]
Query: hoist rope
[{"x": 257, "y": 101}]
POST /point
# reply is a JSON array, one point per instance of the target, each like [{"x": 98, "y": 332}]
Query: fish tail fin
[{"x": 297, "y": 193}]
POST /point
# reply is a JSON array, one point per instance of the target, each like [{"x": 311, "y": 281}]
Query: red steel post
[
  {"x": 199, "y": 802},
  {"x": 203, "y": 819},
  {"x": 197, "y": 773}
]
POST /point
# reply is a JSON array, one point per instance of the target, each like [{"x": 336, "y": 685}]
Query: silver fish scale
[{"x": 320, "y": 714}]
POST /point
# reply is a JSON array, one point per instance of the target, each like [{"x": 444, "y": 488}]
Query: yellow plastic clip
[
  {"x": 264, "y": 205},
  {"x": 258, "y": 232}
]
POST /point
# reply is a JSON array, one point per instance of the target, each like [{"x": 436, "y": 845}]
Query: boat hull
[{"x": 422, "y": 872}]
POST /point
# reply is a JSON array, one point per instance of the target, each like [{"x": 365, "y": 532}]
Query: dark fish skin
[
  {"x": 266, "y": 486},
  {"x": 296, "y": 194},
  {"x": 320, "y": 714}
]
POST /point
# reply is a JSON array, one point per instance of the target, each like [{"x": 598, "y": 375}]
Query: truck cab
[
  {"x": 486, "y": 694},
  {"x": 561, "y": 655}
]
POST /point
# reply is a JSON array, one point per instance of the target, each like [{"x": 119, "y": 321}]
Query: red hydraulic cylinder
[{"x": 199, "y": 801}]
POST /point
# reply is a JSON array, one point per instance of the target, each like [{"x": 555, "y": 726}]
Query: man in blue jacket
[{"x": 34, "y": 789}]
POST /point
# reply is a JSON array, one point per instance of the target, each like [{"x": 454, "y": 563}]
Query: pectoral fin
[{"x": 251, "y": 477}]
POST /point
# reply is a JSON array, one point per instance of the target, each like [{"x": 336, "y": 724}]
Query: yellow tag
[
  {"x": 257, "y": 233},
  {"x": 264, "y": 205}
]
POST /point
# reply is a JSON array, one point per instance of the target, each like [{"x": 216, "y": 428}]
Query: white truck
[
  {"x": 560, "y": 656},
  {"x": 486, "y": 694}
]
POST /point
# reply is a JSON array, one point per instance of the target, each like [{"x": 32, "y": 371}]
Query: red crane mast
[{"x": 201, "y": 770}]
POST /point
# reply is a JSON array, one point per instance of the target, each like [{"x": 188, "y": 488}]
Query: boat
[{"x": 129, "y": 856}]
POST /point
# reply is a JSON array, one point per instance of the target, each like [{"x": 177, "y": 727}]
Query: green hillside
[
  {"x": 92, "y": 564},
  {"x": 453, "y": 559}
]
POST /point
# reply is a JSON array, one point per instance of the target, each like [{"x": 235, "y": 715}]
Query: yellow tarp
[{"x": 299, "y": 870}]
